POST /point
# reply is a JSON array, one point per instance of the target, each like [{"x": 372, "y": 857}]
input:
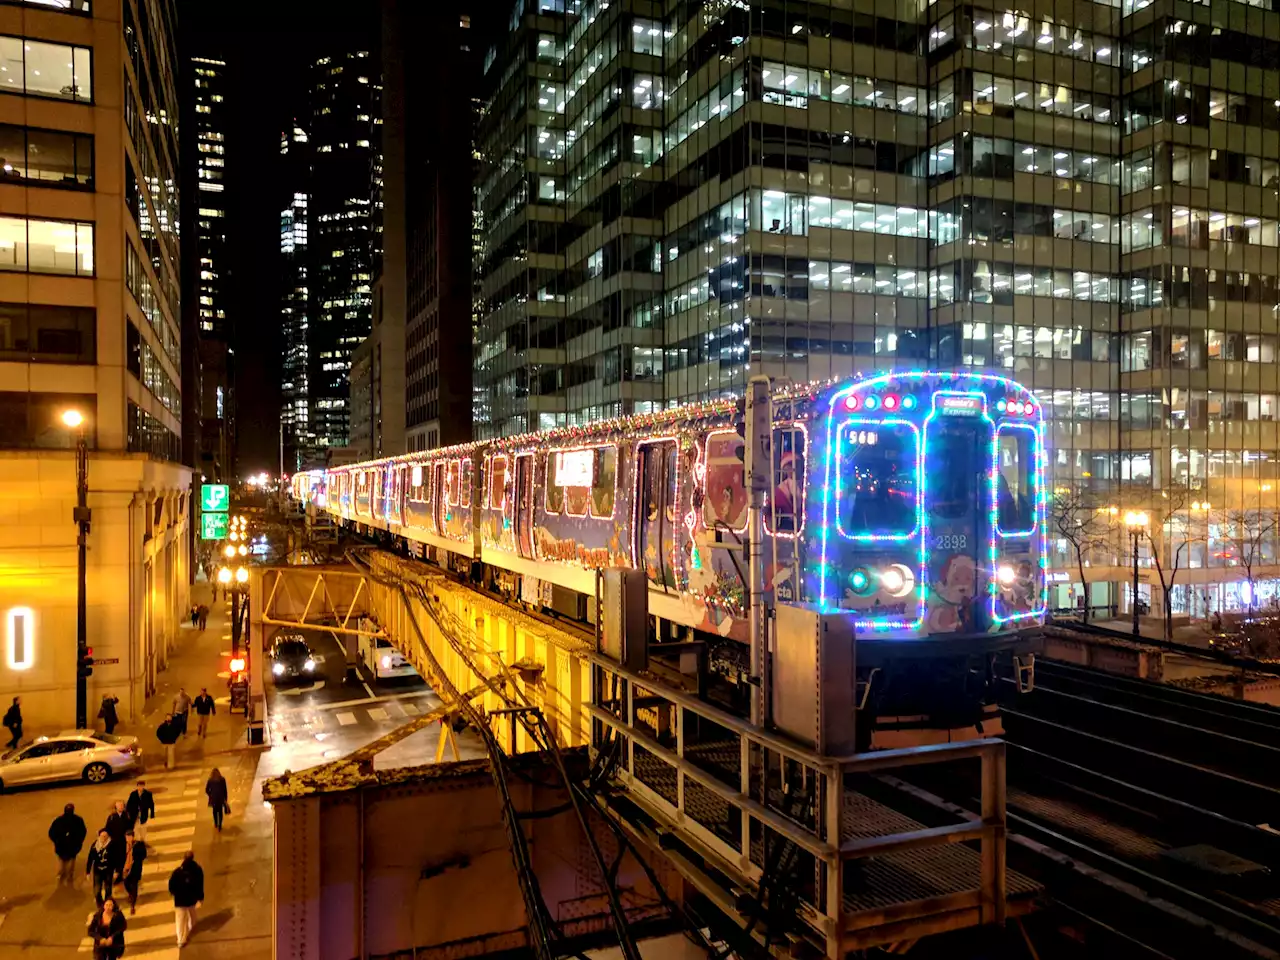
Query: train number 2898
[{"x": 951, "y": 541}]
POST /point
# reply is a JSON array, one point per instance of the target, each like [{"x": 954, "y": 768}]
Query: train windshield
[
  {"x": 877, "y": 483},
  {"x": 951, "y": 467}
]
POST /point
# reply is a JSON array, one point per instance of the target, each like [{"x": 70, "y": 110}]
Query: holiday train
[{"x": 914, "y": 501}]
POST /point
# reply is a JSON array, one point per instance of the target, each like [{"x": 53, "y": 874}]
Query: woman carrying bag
[{"x": 216, "y": 790}]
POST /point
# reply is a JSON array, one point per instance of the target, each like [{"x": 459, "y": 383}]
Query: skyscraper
[
  {"x": 330, "y": 237},
  {"x": 343, "y": 230},
  {"x": 217, "y": 359},
  {"x": 89, "y": 321},
  {"x": 297, "y": 437},
  {"x": 1084, "y": 197},
  {"x": 431, "y": 138}
]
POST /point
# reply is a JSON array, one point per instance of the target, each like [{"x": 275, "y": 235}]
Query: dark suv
[{"x": 291, "y": 658}]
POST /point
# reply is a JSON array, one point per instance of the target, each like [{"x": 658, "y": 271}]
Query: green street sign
[
  {"x": 215, "y": 496},
  {"x": 213, "y": 526}
]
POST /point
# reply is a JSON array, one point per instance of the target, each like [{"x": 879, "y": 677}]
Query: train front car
[{"x": 929, "y": 526}]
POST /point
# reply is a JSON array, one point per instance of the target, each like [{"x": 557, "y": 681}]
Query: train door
[
  {"x": 524, "y": 505},
  {"x": 956, "y": 504},
  {"x": 656, "y": 509},
  {"x": 438, "y": 494}
]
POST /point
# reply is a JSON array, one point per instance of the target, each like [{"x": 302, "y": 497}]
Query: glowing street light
[
  {"x": 224, "y": 576},
  {"x": 72, "y": 418},
  {"x": 229, "y": 551}
]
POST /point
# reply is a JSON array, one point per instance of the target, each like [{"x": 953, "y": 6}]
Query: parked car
[
  {"x": 71, "y": 755},
  {"x": 291, "y": 658}
]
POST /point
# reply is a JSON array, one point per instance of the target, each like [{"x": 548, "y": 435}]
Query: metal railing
[{"x": 735, "y": 795}]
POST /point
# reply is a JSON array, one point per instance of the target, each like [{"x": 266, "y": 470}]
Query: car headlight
[
  {"x": 277, "y": 668},
  {"x": 386, "y": 663},
  {"x": 309, "y": 665}
]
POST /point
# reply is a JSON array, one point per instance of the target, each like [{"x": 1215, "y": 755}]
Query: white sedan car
[{"x": 72, "y": 755}]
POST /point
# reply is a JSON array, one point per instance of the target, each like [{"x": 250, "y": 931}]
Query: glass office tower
[{"x": 1081, "y": 195}]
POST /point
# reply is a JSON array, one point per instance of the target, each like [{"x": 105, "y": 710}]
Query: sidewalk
[{"x": 236, "y": 919}]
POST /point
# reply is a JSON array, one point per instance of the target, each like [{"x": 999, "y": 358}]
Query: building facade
[
  {"x": 89, "y": 308},
  {"x": 217, "y": 356},
  {"x": 1081, "y": 195},
  {"x": 430, "y": 139},
  {"x": 297, "y": 437}
]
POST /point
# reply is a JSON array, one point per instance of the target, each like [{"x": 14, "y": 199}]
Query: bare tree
[
  {"x": 1082, "y": 521},
  {"x": 1247, "y": 533},
  {"x": 1170, "y": 528}
]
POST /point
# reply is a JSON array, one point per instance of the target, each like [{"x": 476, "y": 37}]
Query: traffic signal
[
  {"x": 740, "y": 451},
  {"x": 86, "y": 662}
]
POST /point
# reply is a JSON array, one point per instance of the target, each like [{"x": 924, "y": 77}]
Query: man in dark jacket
[
  {"x": 107, "y": 713},
  {"x": 186, "y": 886},
  {"x": 141, "y": 807},
  {"x": 13, "y": 721},
  {"x": 204, "y": 710},
  {"x": 167, "y": 734},
  {"x": 117, "y": 826},
  {"x": 67, "y": 833}
]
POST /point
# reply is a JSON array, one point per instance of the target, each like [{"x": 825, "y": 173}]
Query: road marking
[
  {"x": 410, "y": 708},
  {"x": 377, "y": 713},
  {"x": 427, "y": 692},
  {"x": 367, "y": 688},
  {"x": 346, "y": 719}
]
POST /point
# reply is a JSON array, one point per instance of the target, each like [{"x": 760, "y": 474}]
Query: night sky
[{"x": 266, "y": 44}]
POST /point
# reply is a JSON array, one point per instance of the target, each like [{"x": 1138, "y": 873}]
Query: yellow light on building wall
[{"x": 20, "y": 636}]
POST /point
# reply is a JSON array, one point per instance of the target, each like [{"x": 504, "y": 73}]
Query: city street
[{"x": 309, "y": 723}]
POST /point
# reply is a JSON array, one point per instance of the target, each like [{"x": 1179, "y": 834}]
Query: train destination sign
[{"x": 962, "y": 406}]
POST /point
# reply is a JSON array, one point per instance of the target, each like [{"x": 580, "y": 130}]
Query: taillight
[{"x": 126, "y": 750}]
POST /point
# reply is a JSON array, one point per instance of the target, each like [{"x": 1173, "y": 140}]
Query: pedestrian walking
[
  {"x": 106, "y": 930},
  {"x": 117, "y": 826},
  {"x": 107, "y": 713},
  {"x": 67, "y": 833},
  {"x": 141, "y": 807},
  {"x": 181, "y": 707},
  {"x": 186, "y": 886},
  {"x": 216, "y": 790},
  {"x": 167, "y": 734},
  {"x": 13, "y": 721},
  {"x": 203, "y": 614},
  {"x": 97, "y": 867},
  {"x": 195, "y": 615},
  {"x": 134, "y": 857},
  {"x": 204, "y": 710}
]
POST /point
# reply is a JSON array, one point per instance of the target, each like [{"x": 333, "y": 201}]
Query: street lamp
[
  {"x": 81, "y": 516},
  {"x": 240, "y": 576},
  {"x": 1136, "y": 521}
]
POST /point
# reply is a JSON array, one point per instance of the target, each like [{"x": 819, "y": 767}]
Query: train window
[
  {"x": 418, "y": 483},
  {"x": 786, "y": 506},
  {"x": 604, "y": 482},
  {"x": 1015, "y": 480},
  {"x": 951, "y": 467},
  {"x": 451, "y": 484},
  {"x": 876, "y": 492},
  {"x": 554, "y": 497},
  {"x": 465, "y": 492},
  {"x": 498, "y": 483},
  {"x": 725, "y": 502}
]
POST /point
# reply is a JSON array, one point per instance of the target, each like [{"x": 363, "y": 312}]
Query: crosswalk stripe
[
  {"x": 346, "y": 719},
  {"x": 377, "y": 713},
  {"x": 410, "y": 708}
]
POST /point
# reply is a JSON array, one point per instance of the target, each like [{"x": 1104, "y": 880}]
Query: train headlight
[
  {"x": 1005, "y": 574},
  {"x": 897, "y": 580},
  {"x": 860, "y": 581}
]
